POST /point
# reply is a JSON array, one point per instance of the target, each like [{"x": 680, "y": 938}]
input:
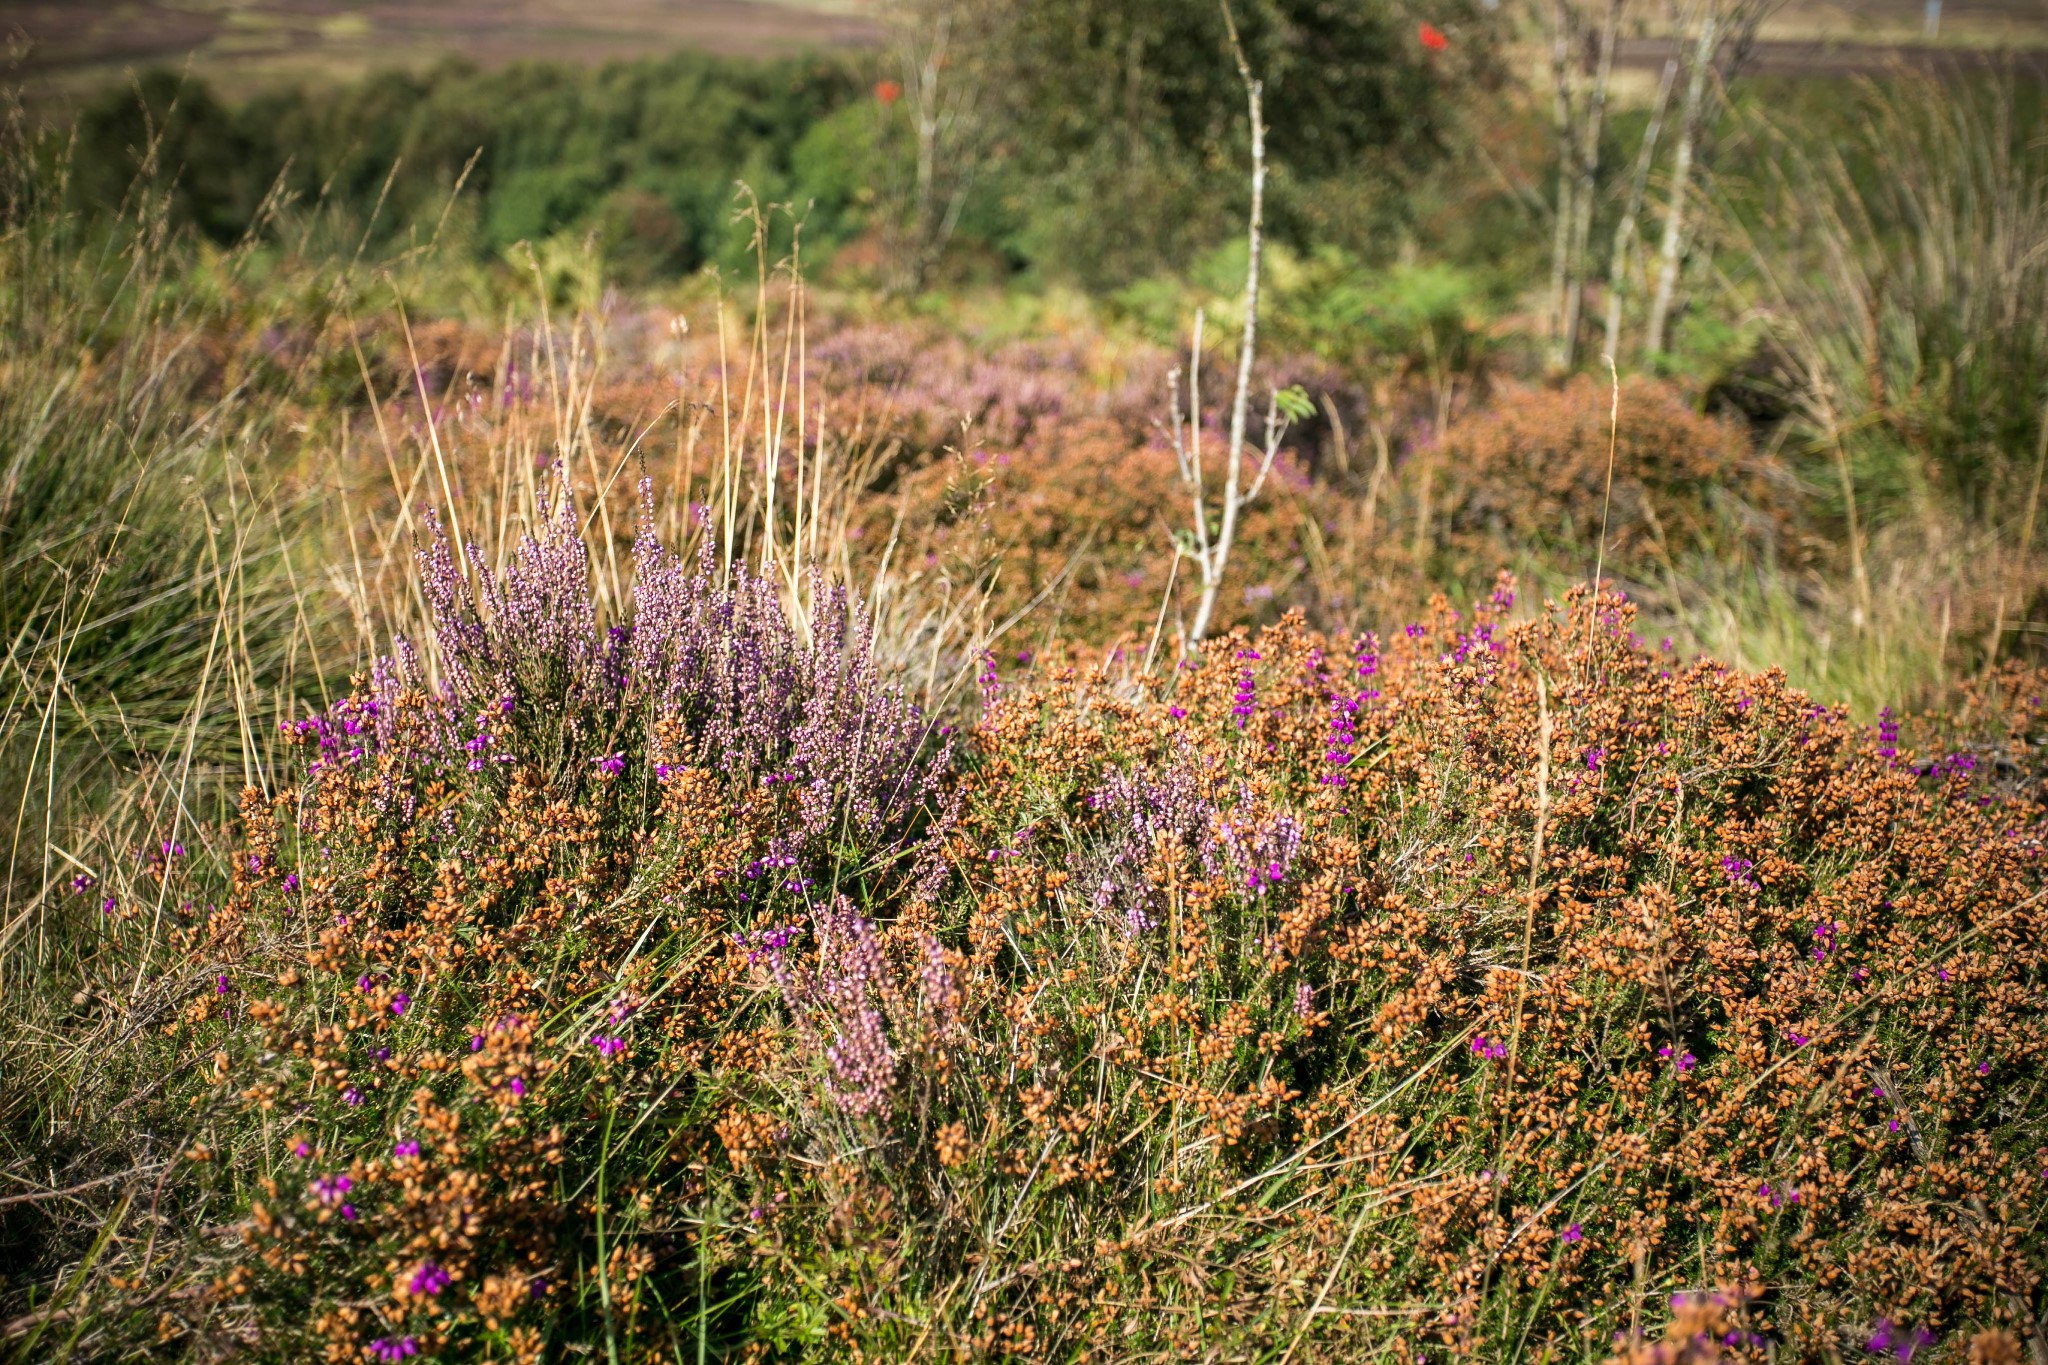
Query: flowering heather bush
[{"x": 1458, "y": 993}]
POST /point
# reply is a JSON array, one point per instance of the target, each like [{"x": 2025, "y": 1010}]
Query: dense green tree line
[{"x": 1094, "y": 140}]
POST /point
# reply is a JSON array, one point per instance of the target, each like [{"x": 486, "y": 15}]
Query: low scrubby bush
[
  {"x": 667, "y": 986},
  {"x": 1532, "y": 470}
]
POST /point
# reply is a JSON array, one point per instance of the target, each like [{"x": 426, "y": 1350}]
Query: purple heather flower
[
  {"x": 291, "y": 881},
  {"x": 517, "y": 1086},
  {"x": 399, "y": 1002},
  {"x": 1900, "y": 1344},
  {"x": 608, "y": 1046},
  {"x": 347, "y": 1212},
  {"x": 1244, "y": 701},
  {"x": 331, "y": 1187},
  {"x": 1797, "y": 1039},
  {"x": 1304, "y": 1000},
  {"x": 351, "y": 1097},
  {"x": 220, "y": 984},
  {"x": 1824, "y": 939},
  {"x": 1491, "y": 1050},
  {"x": 1593, "y": 757},
  {"x": 428, "y": 1279},
  {"x": 611, "y": 765},
  {"x": 301, "y": 1149},
  {"x": 476, "y": 1042},
  {"x": 404, "y": 1149},
  {"x": 1571, "y": 1235},
  {"x": 391, "y": 1350}
]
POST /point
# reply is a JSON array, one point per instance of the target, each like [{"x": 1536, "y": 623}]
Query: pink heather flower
[
  {"x": 404, "y": 1149},
  {"x": 1492, "y": 1051},
  {"x": 1983, "y": 1068},
  {"x": 391, "y": 1350},
  {"x": 1304, "y": 1000},
  {"x": 1571, "y": 1235},
  {"x": 1797, "y": 1039},
  {"x": 608, "y": 1047},
  {"x": 348, "y": 1213},
  {"x": 331, "y": 1187},
  {"x": 301, "y": 1149},
  {"x": 517, "y": 1087},
  {"x": 428, "y": 1279}
]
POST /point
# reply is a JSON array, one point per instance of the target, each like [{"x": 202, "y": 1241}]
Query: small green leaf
[{"x": 1294, "y": 403}]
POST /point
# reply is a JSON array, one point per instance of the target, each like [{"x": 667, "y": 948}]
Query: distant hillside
[{"x": 67, "y": 45}]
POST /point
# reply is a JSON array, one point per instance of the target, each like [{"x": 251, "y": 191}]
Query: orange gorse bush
[
  {"x": 1532, "y": 470},
  {"x": 1458, "y": 993}
]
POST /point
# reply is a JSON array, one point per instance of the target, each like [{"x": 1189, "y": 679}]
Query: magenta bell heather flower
[
  {"x": 391, "y": 1350},
  {"x": 429, "y": 1279}
]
